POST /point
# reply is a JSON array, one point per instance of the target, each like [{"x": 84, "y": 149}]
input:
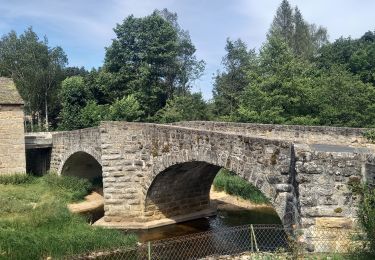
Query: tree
[
  {"x": 92, "y": 114},
  {"x": 356, "y": 55},
  {"x": 303, "y": 38},
  {"x": 127, "y": 109},
  {"x": 75, "y": 71},
  {"x": 152, "y": 59},
  {"x": 103, "y": 85},
  {"x": 279, "y": 91},
  {"x": 74, "y": 96},
  {"x": 290, "y": 90},
  {"x": 228, "y": 85},
  {"x": 283, "y": 24},
  {"x": 343, "y": 100},
  {"x": 302, "y": 42},
  {"x": 184, "y": 107},
  {"x": 187, "y": 67},
  {"x": 36, "y": 69}
]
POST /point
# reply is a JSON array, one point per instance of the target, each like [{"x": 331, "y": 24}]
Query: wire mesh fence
[{"x": 248, "y": 239}]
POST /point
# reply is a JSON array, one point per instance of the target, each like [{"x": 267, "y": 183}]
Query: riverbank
[
  {"x": 225, "y": 201},
  {"x": 94, "y": 202},
  {"x": 232, "y": 184},
  {"x": 35, "y": 222}
]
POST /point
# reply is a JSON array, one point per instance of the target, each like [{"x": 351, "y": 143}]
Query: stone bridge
[{"x": 160, "y": 174}]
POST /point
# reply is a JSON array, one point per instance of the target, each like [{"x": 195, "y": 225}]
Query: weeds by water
[
  {"x": 235, "y": 185},
  {"x": 35, "y": 222}
]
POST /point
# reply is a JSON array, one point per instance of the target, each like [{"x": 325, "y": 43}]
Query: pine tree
[
  {"x": 302, "y": 41},
  {"x": 302, "y": 38},
  {"x": 282, "y": 25}
]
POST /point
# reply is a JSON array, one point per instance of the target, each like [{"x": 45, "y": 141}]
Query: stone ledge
[{"x": 156, "y": 223}]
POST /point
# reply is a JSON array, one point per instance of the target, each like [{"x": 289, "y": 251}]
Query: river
[{"x": 232, "y": 211}]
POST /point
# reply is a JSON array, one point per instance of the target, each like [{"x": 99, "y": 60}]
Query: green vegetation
[
  {"x": 366, "y": 216},
  {"x": 370, "y": 135},
  {"x": 235, "y": 185},
  {"x": 35, "y": 222},
  {"x": 187, "y": 107},
  {"x": 37, "y": 70},
  {"x": 80, "y": 110},
  {"x": 298, "y": 77},
  {"x": 18, "y": 178}
]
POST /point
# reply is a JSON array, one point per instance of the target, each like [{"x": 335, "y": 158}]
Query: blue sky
[{"x": 84, "y": 27}]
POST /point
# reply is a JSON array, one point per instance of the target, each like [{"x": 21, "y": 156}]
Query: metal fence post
[
  {"x": 251, "y": 240},
  {"x": 149, "y": 250},
  {"x": 255, "y": 239}
]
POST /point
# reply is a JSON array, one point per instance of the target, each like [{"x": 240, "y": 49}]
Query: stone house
[{"x": 12, "y": 137}]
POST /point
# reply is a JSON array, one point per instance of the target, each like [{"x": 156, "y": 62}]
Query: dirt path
[
  {"x": 229, "y": 202},
  {"x": 223, "y": 200},
  {"x": 92, "y": 202}
]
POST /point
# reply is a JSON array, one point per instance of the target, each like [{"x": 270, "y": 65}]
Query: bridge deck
[{"x": 38, "y": 140}]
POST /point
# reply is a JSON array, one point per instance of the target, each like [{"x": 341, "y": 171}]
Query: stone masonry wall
[
  {"x": 66, "y": 144},
  {"x": 294, "y": 133},
  {"x": 12, "y": 141},
  {"x": 134, "y": 155},
  {"x": 324, "y": 185}
]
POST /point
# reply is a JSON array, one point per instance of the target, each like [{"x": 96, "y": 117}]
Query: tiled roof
[{"x": 8, "y": 92}]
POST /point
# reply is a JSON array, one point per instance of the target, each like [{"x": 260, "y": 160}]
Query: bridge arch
[
  {"x": 180, "y": 185},
  {"x": 82, "y": 164}
]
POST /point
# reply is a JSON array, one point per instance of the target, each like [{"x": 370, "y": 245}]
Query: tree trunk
[
  {"x": 39, "y": 120},
  {"x": 46, "y": 104}
]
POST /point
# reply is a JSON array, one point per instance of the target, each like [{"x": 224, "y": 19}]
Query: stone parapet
[{"x": 295, "y": 133}]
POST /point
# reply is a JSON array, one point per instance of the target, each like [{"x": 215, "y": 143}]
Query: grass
[
  {"x": 35, "y": 222},
  {"x": 18, "y": 178},
  {"x": 235, "y": 185}
]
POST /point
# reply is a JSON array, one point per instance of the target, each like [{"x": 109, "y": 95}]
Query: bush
[
  {"x": 125, "y": 109},
  {"x": 370, "y": 135},
  {"x": 16, "y": 178},
  {"x": 235, "y": 185},
  {"x": 366, "y": 216}
]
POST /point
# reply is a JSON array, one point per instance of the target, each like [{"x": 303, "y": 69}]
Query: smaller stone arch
[{"x": 83, "y": 165}]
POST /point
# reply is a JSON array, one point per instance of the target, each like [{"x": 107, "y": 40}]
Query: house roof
[{"x": 8, "y": 92}]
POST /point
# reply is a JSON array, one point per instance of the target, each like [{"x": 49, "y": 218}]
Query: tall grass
[
  {"x": 69, "y": 187},
  {"x": 235, "y": 185},
  {"x": 16, "y": 178},
  {"x": 35, "y": 222}
]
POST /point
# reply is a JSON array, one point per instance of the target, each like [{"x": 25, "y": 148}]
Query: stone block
[{"x": 334, "y": 222}]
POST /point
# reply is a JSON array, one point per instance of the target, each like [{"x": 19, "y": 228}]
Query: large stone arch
[
  {"x": 134, "y": 155},
  {"x": 82, "y": 164},
  {"x": 165, "y": 196}
]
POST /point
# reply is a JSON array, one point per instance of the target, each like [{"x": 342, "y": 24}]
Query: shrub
[
  {"x": 370, "y": 135},
  {"x": 235, "y": 185},
  {"x": 16, "y": 178},
  {"x": 366, "y": 216}
]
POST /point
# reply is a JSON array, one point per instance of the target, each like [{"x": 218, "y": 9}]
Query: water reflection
[{"x": 224, "y": 218}]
